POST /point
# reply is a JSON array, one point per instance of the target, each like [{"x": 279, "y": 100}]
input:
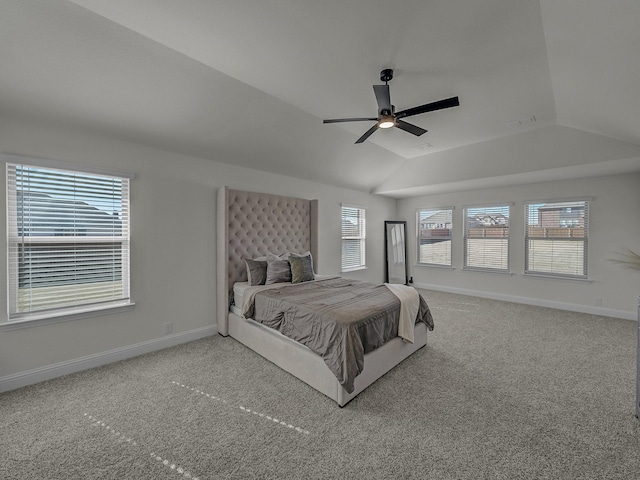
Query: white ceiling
[{"x": 248, "y": 82}]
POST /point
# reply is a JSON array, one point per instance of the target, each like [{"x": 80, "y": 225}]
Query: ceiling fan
[{"x": 388, "y": 117}]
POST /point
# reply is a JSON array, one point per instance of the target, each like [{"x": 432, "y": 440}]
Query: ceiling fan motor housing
[{"x": 386, "y": 75}]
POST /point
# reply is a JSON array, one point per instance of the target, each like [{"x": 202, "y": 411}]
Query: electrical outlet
[{"x": 168, "y": 327}]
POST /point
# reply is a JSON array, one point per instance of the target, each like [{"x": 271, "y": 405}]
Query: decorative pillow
[
  {"x": 256, "y": 271},
  {"x": 278, "y": 270},
  {"x": 305, "y": 254},
  {"x": 301, "y": 268}
]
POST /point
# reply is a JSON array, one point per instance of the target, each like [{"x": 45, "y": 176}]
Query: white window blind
[
  {"x": 434, "y": 236},
  {"x": 486, "y": 238},
  {"x": 353, "y": 237},
  {"x": 68, "y": 240},
  {"x": 556, "y": 238}
]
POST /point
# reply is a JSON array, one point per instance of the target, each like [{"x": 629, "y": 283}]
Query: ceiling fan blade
[
  {"x": 383, "y": 97},
  {"x": 367, "y": 134},
  {"x": 429, "y": 107},
  {"x": 341, "y": 120},
  {"x": 408, "y": 127}
]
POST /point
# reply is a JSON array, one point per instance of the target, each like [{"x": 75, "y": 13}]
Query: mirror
[{"x": 395, "y": 250}]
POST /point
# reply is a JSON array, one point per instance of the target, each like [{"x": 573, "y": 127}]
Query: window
[
  {"x": 434, "y": 236},
  {"x": 353, "y": 238},
  {"x": 68, "y": 241},
  {"x": 486, "y": 238},
  {"x": 556, "y": 238}
]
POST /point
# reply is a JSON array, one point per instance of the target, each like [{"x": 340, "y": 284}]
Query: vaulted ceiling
[{"x": 546, "y": 88}]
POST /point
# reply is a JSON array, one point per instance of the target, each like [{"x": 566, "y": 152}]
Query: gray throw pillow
[
  {"x": 301, "y": 268},
  {"x": 256, "y": 271},
  {"x": 278, "y": 270}
]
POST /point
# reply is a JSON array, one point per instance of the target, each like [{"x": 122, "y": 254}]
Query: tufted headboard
[{"x": 250, "y": 225}]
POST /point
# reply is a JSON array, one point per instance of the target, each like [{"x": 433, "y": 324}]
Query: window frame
[
  {"x": 466, "y": 238},
  {"x": 570, "y": 238},
  {"x": 361, "y": 237},
  {"x": 419, "y": 211},
  {"x": 16, "y": 319}
]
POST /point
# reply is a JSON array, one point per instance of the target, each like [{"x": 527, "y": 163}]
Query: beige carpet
[{"x": 502, "y": 391}]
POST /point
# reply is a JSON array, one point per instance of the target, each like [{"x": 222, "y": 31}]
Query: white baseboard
[
  {"x": 29, "y": 377},
  {"x": 606, "y": 312}
]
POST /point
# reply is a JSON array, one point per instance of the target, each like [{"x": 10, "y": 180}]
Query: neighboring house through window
[
  {"x": 486, "y": 238},
  {"x": 68, "y": 242},
  {"x": 353, "y": 237},
  {"x": 434, "y": 236},
  {"x": 556, "y": 238}
]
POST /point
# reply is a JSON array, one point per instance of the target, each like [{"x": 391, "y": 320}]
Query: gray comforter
[{"x": 336, "y": 318}]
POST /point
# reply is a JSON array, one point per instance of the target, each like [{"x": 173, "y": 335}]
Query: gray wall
[
  {"x": 614, "y": 227},
  {"x": 173, "y": 241},
  {"x": 174, "y": 244}
]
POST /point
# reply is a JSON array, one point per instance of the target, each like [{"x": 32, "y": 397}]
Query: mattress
[{"x": 238, "y": 297}]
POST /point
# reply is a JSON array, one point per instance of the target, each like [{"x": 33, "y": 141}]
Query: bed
[{"x": 252, "y": 225}]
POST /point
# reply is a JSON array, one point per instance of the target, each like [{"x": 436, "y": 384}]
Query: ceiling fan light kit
[
  {"x": 386, "y": 121},
  {"x": 388, "y": 117}
]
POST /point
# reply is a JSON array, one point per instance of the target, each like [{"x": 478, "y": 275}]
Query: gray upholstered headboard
[{"x": 253, "y": 224}]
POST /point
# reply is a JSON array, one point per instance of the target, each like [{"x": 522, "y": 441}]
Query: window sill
[
  {"x": 487, "y": 270},
  {"x": 353, "y": 269},
  {"x": 47, "y": 318},
  {"x": 556, "y": 277},
  {"x": 434, "y": 265}
]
